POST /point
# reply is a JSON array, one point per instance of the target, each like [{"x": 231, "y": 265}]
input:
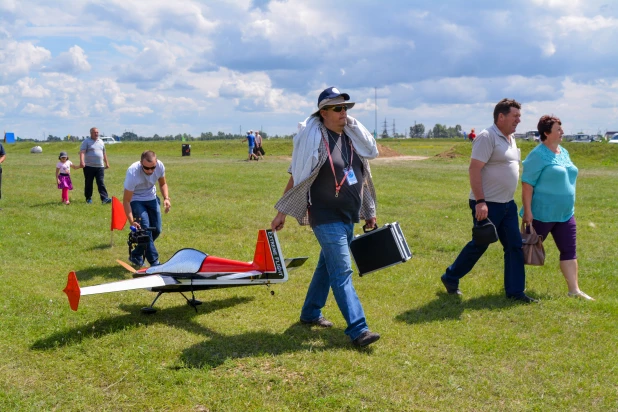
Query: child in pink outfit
[{"x": 63, "y": 176}]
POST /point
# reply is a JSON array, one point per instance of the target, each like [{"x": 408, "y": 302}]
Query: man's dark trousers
[
  {"x": 504, "y": 217},
  {"x": 0, "y": 182},
  {"x": 91, "y": 173}
]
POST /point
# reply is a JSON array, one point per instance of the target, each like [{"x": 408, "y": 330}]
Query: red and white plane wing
[{"x": 74, "y": 292}]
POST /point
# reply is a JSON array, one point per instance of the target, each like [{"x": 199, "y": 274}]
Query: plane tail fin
[
  {"x": 72, "y": 290},
  {"x": 266, "y": 251}
]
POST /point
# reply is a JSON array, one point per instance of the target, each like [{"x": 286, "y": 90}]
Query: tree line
[
  {"x": 416, "y": 131},
  {"x": 438, "y": 131},
  {"x": 184, "y": 137}
]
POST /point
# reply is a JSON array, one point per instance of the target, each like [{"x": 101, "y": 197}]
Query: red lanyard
[{"x": 330, "y": 158}]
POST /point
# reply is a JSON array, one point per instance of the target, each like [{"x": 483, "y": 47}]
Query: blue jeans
[
  {"x": 148, "y": 214},
  {"x": 334, "y": 271},
  {"x": 504, "y": 217}
]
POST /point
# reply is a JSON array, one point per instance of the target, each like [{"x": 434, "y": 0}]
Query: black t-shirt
[{"x": 325, "y": 207}]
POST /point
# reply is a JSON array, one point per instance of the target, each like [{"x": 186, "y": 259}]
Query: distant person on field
[
  {"x": 472, "y": 135},
  {"x": 330, "y": 188},
  {"x": 142, "y": 206},
  {"x": 250, "y": 139},
  {"x": 259, "y": 151},
  {"x": 2, "y": 157},
  {"x": 63, "y": 176},
  {"x": 93, "y": 158},
  {"x": 548, "y": 197},
  {"x": 494, "y": 174}
]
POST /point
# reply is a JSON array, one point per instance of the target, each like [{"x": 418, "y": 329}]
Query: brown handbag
[{"x": 534, "y": 252}]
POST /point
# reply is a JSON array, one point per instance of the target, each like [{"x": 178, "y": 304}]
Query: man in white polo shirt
[
  {"x": 494, "y": 174},
  {"x": 142, "y": 206}
]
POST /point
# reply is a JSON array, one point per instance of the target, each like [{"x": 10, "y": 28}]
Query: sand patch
[
  {"x": 388, "y": 155},
  {"x": 399, "y": 158},
  {"x": 449, "y": 154},
  {"x": 387, "y": 151}
]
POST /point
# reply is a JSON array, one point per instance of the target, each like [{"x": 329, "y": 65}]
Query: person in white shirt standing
[
  {"x": 142, "y": 206},
  {"x": 257, "y": 150}
]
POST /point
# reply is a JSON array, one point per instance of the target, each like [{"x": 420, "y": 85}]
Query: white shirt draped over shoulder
[{"x": 307, "y": 141}]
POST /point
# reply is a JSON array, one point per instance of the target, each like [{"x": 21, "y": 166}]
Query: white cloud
[
  {"x": 157, "y": 66},
  {"x": 127, "y": 50},
  {"x": 583, "y": 24},
  {"x": 549, "y": 49},
  {"x": 153, "y": 64},
  {"x": 153, "y": 16},
  {"x": 139, "y": 110},
  {"x": 34, "y": 109},
  {"x": 19, "y": 58},
  {"x": 559, "y": 4},
  {"x": 28, "y": 88},
  {"x": 73, "y": 61},
  {"x": 255, "y": 93}
]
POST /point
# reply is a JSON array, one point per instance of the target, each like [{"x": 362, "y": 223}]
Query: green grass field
[{"x": 244, "y": 349}]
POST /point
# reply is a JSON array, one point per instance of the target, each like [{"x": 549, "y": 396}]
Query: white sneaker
[{"x": 579, "y": 294}]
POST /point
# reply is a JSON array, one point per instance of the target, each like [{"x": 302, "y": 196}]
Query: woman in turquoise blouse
[{"x": 548, "y": 197}]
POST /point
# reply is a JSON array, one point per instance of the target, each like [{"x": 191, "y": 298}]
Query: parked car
[
  {"x": 108, "y": 140},
  {"x": 582, "y": 138},
  {"x": 533, "y": 135},
  {"x": 613, "y": 139}
]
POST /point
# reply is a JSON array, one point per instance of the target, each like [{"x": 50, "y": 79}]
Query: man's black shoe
[
  {"x": 524, "y": 298},
  {"x": 450, "y": 289},
  {"x": 366, "y": 338},
  {"x": 321, "y": 322}
]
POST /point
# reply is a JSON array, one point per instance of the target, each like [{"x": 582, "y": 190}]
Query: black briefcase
[{"x": 380, "y": 248}]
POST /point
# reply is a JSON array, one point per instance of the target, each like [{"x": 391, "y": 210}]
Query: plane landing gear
[
  {"x": 149, "y": 310},
  {"x": 194, "y": 303}
]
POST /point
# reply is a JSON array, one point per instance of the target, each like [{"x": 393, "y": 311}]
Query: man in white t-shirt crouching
[{"x": 142, "y": 206}]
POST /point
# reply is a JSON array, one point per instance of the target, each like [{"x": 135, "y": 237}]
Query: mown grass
[{"x": 244, "y": 350}]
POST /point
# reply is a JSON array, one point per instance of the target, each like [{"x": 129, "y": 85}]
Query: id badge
[{"x": 351, "y": 176}]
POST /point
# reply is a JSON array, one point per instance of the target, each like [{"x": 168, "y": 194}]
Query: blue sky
[{"x": 196, "y": 66}]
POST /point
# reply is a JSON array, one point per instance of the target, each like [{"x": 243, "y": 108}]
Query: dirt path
[
  {"x": 400, "y": 158},
  {"x": 388, "y": 155}
]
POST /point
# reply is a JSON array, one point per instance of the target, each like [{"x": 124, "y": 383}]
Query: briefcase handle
[{"x": 375, "y": 226}]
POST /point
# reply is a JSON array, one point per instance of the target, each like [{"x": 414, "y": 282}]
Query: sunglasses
[
  {"x": 338, "y": 109},
  {"x": 149, "y": 168}
]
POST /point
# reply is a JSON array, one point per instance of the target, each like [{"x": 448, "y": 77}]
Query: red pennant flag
[{"x": 119, "y": 219}]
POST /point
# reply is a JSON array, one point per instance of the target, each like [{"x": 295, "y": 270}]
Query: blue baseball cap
[{"x": 333, "y": 97}]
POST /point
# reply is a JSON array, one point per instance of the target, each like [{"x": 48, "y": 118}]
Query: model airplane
[{"x": 189, "y": 270}]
